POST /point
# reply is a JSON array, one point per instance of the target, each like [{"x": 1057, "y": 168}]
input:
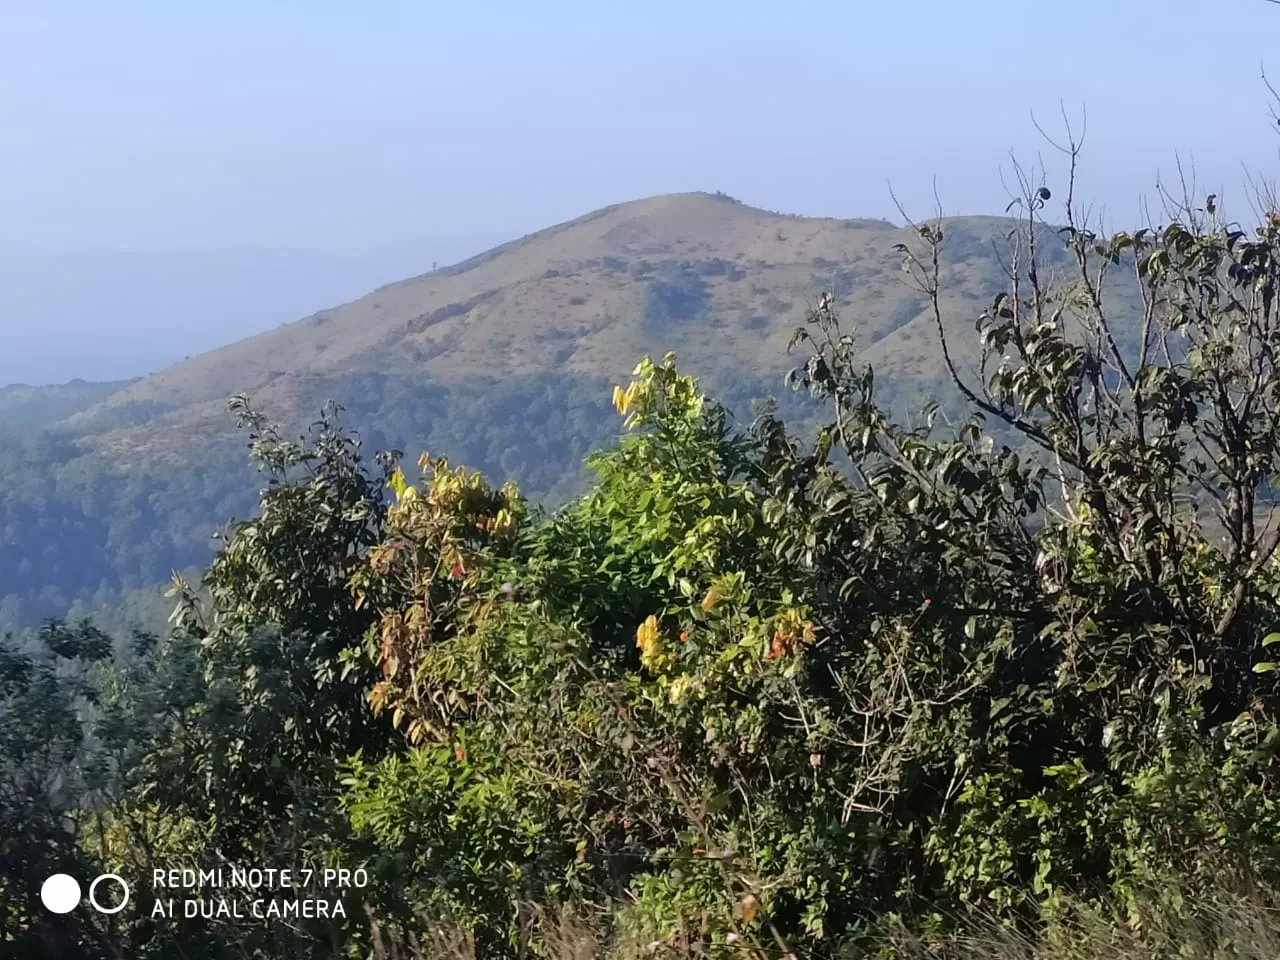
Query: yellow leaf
[
  {"x": 397, "y": 482},
  {"x": 649, "y": 641},
  {"x": 750, "y": 907},
  {"x": 710, "y": 600},
  {"x": 680, "y": 689}
]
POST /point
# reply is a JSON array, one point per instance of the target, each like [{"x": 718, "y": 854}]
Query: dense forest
[
  {"x": 759, "y": 688},
  {"x": 79, "y": 536}
]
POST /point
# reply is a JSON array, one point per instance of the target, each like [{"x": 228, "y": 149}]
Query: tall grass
[{"x": 1230, "y": 926}]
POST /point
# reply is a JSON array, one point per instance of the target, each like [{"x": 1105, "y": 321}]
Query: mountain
[
  {"x": 721, "y": 281},
  {"x": 504, "y": 361},
  {"x": 41, "y": 406},
  {"x": 114, "y": 311}
]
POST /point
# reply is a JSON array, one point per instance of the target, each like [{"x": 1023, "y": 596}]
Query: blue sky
[{"x": 393, "y": 133}]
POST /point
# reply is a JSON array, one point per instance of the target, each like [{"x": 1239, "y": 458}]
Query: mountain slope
[
  {"x": 27, "y": 406},
  {"x": 503, "y": 361},
  {"x": 721, "y": 281}
]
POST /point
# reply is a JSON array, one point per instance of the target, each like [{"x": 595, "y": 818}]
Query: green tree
[
  {"x": 260, "y": 696},
  {"x": 773, "y": 688},
  {"x": 888, "y": 668},
  {"x": 45, "y": 770}
]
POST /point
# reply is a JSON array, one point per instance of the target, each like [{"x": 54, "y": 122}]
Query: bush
[
  {"x": 782, "y": 692},
  {"x": 757, "y": 692}
]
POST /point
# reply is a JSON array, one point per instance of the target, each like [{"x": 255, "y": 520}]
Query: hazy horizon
[
  {"x": 116, "y": 320},
  {"x": 256, "y": 163}
]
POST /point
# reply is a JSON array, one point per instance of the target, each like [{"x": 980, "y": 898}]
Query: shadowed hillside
[{"x": 26, "y": 406}]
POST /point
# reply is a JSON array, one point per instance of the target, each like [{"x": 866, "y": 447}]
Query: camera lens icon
[{"x": 60, "y": 893}]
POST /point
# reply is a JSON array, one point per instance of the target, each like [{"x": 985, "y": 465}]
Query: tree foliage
[{"x": 774, "y": 688}]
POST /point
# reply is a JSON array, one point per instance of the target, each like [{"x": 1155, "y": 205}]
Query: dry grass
[{"x": 1231, "y": 927}]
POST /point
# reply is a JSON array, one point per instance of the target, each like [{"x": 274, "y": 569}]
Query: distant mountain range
[{"x": 503, "y": 361}]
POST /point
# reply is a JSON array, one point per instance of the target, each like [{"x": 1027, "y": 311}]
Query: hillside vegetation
[
  {"x": 503, "y": 362},
  {"x": 42, "y": 406},
  {"x": 862, "y": 687}
]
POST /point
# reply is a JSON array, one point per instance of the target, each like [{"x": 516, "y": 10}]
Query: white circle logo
[
  {"x": 60, "y": 893},
  {"x": 94, "y": 886}
]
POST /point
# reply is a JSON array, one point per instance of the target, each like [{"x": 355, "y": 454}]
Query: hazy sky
[{"x": 369, "y": 138}]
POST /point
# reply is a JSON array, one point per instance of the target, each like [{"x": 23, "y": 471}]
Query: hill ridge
[{"x": 567, "y": 282}]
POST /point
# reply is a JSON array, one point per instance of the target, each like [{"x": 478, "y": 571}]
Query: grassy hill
[
  {"x": 720, "y": 281},
  {"x": 504, "y": 361}
]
